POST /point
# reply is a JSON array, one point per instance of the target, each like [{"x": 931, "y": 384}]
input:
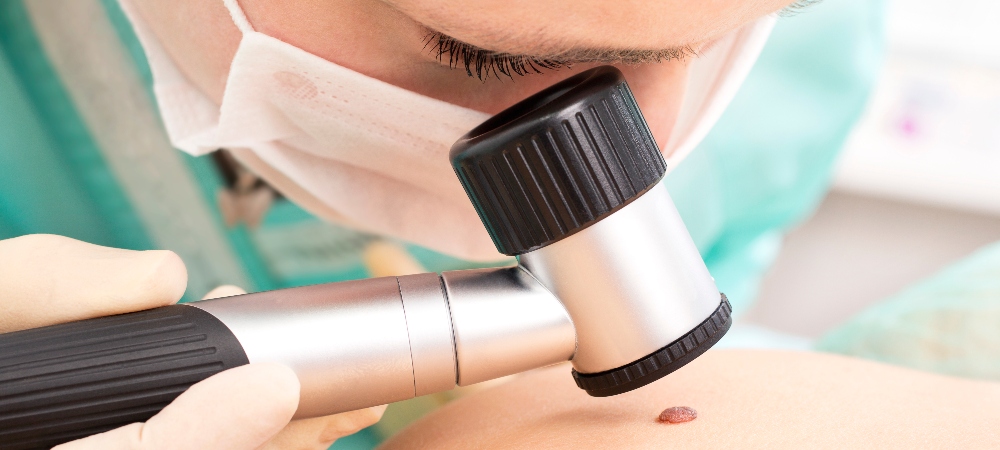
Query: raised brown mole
[{"x": 677, "y": 414}]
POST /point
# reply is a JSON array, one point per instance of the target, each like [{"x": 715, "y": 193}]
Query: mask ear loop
[{"x": 238, "y": 16}]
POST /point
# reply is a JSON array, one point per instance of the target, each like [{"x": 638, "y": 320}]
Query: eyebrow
[{"x": 622, "y": 56}]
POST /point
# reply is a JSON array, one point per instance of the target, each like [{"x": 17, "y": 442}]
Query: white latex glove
[{"x": 47, "y": 279}]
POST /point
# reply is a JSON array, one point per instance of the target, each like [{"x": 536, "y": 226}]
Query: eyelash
[
  {"x": 483, "y": 64},
  {"x": 797, "y": 7},
  {"x": 488, "y": 62}
]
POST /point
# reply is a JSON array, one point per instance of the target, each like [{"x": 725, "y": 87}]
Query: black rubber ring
[{"x": 661, "y": 362}]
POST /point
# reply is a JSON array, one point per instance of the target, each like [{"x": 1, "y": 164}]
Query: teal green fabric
[
  {"x": 767, "y": 163},
  {"x": 949, "y": 323},
  {"x": 54, "y": 179},
  {"x": 363, "y": 440}
]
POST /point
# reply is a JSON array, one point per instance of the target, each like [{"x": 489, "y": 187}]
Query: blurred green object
[
  {"x": 363, "y": 440},
  {"x": 767, "y": 163},
  {"x": 54, "y": 178},
  {"x": 949, "y": 323}
]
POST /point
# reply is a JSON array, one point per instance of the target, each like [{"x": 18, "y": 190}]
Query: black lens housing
[{"x": 558, "y": 161}]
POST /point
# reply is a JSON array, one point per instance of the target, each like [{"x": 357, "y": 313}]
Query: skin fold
[{"x": 744, "y": 399}]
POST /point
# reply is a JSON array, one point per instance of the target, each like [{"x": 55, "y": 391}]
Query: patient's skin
[{"x": 744, "y": 399}]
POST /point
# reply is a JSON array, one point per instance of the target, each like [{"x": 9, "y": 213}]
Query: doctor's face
[{"x": 482, "y": 54}]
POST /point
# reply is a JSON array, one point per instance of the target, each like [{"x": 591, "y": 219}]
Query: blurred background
[{"x": 916, "y": 187}]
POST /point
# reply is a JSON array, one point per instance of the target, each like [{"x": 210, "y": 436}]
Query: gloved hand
[{"x": 47, "y": 279}]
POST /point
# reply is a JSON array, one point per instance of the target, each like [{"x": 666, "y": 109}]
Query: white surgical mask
[{"x": 367, "y": 154}]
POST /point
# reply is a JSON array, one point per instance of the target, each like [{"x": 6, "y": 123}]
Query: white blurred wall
[{"x": 918, "y": 185}]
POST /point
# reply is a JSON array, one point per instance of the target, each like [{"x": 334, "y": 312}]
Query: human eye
[{"x": 485, "y": 64}]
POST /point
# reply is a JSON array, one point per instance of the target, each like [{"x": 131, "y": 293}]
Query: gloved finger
[
  {"x": 320, "y": 432},
  {"x": 238, "y": 409},
  {"x": 226, "y": 290},
  {"x": 48, "y": 279},
  {"x": 387, "y": 259}
]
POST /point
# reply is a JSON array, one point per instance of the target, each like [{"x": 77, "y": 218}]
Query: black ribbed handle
[
  {"x": 558, "y": 161},
  {"x": 64, "y": 382}
]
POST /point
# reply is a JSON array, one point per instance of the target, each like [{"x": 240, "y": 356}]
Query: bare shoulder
[{"x": 743, "y": 399}]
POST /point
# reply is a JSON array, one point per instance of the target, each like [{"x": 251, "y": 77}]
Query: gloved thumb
[
  {"x": 238, "y": 409},
  {"x": 47, "y": 279}
]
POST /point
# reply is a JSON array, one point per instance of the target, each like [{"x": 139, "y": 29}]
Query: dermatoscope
[{"x": 567, "y": 180}]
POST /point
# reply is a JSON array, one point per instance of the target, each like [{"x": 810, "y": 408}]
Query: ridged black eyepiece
[
  {"x": 662, "y": 362},
  {"x": 558, "y": 161}
]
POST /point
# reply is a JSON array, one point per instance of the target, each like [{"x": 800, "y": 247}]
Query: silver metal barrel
[
  {"x": 347, "y": 341},
  {"x": 633, "y": 282},
  {"x": 363, "y": 343},
  {"x": 505, "y": 322}
]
